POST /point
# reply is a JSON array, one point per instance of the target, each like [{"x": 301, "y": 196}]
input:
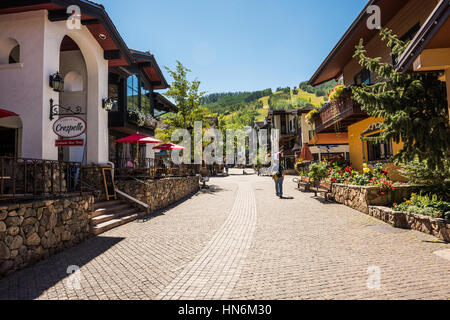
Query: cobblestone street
[{"x": 238, "y": 241}]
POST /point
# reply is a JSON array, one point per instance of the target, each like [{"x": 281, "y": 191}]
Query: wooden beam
[
  {"x": 112, "y": 55},
  {"x": 58, "y": 15},
  {"x": 90, "y": 22},
  {"x": 6, "y": 4},
  {"x": 145, "y": 64}
]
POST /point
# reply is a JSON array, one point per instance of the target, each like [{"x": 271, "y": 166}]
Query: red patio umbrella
[
  {"x": 138, "y": 139},
  {"x": 306, "y": 154},
  {"x": 169, "y": 146}
]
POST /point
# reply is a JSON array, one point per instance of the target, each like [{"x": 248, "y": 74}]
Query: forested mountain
[{"x": 242, "y": 108}]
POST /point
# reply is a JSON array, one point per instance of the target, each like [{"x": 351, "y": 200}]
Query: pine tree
[{"x": 414, "y": 106}]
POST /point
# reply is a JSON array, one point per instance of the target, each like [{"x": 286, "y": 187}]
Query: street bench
[
  {"x": 325, "y": 188},
  {"x": 304, "y": 183},
  {"x": 203, "y": 181}
]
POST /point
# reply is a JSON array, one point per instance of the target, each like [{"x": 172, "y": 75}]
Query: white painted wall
[
  {"x": 21, "y": 86},
  {"x": 24, "y": 88}
]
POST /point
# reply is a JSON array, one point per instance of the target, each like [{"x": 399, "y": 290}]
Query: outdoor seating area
[{"x": 31, "y": 178}]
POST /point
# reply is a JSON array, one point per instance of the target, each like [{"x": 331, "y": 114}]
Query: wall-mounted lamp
[
  {"x": 108, "y": 104},
  {"x": 56, "y": 82}
]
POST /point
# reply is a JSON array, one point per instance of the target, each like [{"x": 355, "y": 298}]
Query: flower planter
[
  {"x": 439, "y": 228},
  {"x": 362, "y": 197}
]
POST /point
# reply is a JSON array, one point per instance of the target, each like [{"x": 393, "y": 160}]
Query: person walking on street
[{"x": 278, "y": 177}]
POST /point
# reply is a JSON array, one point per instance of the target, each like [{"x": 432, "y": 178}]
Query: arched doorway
[
  {"x": 74, "y": 72},
  {"x": 10, "y": 134}
]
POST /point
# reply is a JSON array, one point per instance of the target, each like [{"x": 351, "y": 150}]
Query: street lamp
[
  {"x": 108, "y": 104},
  {"x": 57, "y": 82}
]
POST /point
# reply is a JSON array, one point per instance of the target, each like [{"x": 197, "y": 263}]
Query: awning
[
  {"x": 10, "y": 119},
  {"x": 6, "y": 113}
]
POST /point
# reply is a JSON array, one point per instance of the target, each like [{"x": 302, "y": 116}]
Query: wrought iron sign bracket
[{"x": 55, "y": 110}]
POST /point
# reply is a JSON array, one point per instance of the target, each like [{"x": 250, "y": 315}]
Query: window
[
  {"x": 9, "y": 51},
  {"x": 283, "y": 124},
  {"x": 145, "y": 100},
  {"x": 133, "y": 92},
  {"x": 363, "y": 77},
  {"x": 408, "y": 36},
  {"x": 14, "y": 55},
  {"x": 379, "y": 151}
]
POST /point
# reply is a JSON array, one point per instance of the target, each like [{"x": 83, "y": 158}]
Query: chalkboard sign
[{"x": 110, "y": 188}]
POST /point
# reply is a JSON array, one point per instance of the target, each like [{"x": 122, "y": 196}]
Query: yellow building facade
[{"x": 363, "y": 151}]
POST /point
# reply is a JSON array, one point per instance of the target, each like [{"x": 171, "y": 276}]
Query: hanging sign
[
  {"x": 69, "y": 143},
  {"x": 69, "y": 127}
]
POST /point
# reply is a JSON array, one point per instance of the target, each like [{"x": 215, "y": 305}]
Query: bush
[
  {"x": 428, "y": 205},
  {"x": 318, "y": 171}
]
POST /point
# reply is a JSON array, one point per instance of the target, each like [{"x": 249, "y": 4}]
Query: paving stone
[{"x": 238, "y": 241}]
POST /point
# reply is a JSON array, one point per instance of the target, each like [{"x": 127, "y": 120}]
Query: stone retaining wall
[
  {"x": 439, "y": 228},
  {"x": 361, "y": 197},
  {"x": 33, "y": 231},
  {"x": 160, "y": 193}
]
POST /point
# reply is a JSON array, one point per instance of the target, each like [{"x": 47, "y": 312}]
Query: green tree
[
  {"x": 414, "y": 106},
  {"x": 187, "y": 98}
]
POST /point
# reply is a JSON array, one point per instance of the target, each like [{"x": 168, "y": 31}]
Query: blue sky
[{"x": 236, "y": 45}]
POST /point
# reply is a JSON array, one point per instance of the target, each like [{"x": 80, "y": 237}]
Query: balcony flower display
[
  {"x": 142, "y": 119},
  {"x": 337, "y": 93},
  {"x": 312, "y": 116}
]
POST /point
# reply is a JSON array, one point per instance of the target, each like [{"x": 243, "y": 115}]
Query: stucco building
[{"x": 108, "y": 91}]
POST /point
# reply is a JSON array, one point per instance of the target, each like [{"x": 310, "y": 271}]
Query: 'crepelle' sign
[{"x": 69, "y": 127}]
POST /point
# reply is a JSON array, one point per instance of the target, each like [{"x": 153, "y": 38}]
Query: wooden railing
[
  {"x": 337, "y": 111},
  {"x": 29, "y": 178}
]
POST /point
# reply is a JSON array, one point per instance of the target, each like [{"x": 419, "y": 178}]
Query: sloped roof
[
  {"x": 332, "y": 67},
  {"x": 433, "y": 34}
]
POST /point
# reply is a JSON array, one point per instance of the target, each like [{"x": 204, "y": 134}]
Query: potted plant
[{"x": 318, "y": 171}]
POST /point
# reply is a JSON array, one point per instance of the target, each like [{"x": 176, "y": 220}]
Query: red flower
[
  {"x": 395, "y": 204},
  {"x": 383, "y": 193}
]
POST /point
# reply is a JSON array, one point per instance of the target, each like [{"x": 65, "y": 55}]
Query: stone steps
[
  {"x": 102, "y": 204},
  {"x": 111, "y": 214},
  {"x": 105, "y": 226},
  {"x": 109, "y": 209}
]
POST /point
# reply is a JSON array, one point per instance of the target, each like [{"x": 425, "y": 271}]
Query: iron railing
[
  {"x": 157, "y": 173},
  {"x": 29, "y": 178}
]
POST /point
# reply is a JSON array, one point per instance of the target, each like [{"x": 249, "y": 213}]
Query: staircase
[{"x": 111, "y": 214}]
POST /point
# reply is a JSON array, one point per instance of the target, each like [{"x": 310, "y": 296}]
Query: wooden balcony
[{"x": 344, "y": 113}]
